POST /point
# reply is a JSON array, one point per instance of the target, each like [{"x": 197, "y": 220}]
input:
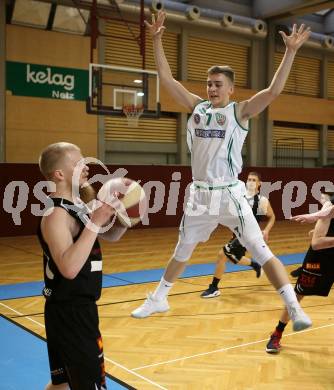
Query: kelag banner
[{"x": 46, "y": 81}]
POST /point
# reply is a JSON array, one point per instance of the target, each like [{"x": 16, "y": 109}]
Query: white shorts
[{"x": 225, "y": 206}]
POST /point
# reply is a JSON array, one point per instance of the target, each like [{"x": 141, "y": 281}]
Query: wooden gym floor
[{"x": 199, "y": 344}]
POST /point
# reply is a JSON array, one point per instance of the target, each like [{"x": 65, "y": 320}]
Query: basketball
[{"x": 127, "y": 197}]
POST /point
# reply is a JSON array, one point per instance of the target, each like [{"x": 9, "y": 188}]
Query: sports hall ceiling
[{"x": 73, "y": 15}]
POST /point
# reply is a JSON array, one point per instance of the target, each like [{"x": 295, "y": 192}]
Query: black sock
[
  {"x": 253, "y": 264},
  {"x": 281, "y": 326},
  {"x": 215, "y": 282}
]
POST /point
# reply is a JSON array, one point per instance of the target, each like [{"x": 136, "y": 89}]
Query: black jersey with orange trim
[
  {"x": 87, "y": 285},
  {"x": 317, "y": 274},
  {"x": 327, "y": 253}
]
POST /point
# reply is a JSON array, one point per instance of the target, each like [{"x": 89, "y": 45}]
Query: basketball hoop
[{"x": 133, "y": 113}]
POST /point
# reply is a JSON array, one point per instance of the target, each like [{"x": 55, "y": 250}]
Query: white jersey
[{"x": 215, "y": 140}]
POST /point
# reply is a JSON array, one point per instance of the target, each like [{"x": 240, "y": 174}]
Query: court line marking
[
  {"x": 134, "y": 373},
  {"x": 107, "y": 359},
  {"x": 227, "y": 348},
  {"x": 21, "y": 314},
  {"x": 21, "y": 263}
]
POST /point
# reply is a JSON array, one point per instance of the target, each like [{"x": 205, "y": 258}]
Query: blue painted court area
[
  {"x": 23, "y": 355},
  {"x": 22, "y": 290},
  {"x": 24, "y": 361}
]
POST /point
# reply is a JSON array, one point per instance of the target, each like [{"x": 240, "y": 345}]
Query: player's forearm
[
  {"x": 322, "y": 242},
  {"x": 114, "y": 234},
  {"x": 77, "y": 254},
  {"x": 282, "y": 73},
  {"x": 161, "y": 62},
  {"x": 270, "y": 223},
  {"x": 326, "y": 211}
]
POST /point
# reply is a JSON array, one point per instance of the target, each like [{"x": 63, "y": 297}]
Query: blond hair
[
  {"x": 52, "y": 155},
  {"x": 224, "y": 69}
]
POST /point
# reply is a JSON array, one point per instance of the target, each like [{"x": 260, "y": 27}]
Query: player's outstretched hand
[
  {"x": 157, "y": 27},
  {"x": 305, "y": 218},
  {"x": 325, "y": 212},
  {"x": 297, "y": 38}
]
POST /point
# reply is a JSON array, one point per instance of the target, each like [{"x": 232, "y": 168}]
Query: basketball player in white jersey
[
  {"x": 233, "y": 250},
  {"x": 216, "y": 132}
]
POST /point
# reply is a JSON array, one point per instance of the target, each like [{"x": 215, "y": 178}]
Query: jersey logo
[
  {"x": 307, "y": 281},
  {"x": 47, "y": 292},
  {"x": 220, "y": 118},
  {"x": 313, "y": 266},
  {"x": 197, "y": 118},
  {"x": 210, "y": 133}
]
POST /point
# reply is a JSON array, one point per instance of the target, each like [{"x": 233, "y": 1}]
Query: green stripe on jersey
[
  {"x": 239, "y": 210},
  {"x": 229, "y": 156},
  {"x": 191, "y": 137},
  {"x": 235, "y": 115}
]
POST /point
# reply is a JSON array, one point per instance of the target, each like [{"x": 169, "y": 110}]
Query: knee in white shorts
[
  {"x": 183, "y": 252},
  {"x": 259, "y": 250}
]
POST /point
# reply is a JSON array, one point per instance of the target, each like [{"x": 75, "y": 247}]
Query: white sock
[
  {"x": 162, "y": 290},
  {"x": 288, "y": 295}
]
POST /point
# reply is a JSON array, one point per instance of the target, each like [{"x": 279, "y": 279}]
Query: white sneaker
[
  {"x": 150, "y": 306},
  {"x": 300, "y": 320}
]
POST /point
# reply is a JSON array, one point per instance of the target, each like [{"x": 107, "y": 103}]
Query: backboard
[{"x": 113, "y": 87}]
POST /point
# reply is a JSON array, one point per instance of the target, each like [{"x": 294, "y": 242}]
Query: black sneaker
[
  {"x": 211, "y": 292},
  {"x": 296, "y": 272},
  {"x": 257, "y": 268}
]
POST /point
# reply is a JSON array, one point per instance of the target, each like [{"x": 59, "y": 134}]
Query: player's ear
[
  {"x": 231, "y": 89},
  {"x": 58, "y": 174}
]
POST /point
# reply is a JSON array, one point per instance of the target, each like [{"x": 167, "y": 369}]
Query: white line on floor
[
  {"x": 105, "y": 358},
  {"x": 134, "y": 373},
  {"x": 21, "y": 263},
  {"x": 227, "y": 348},
  {"x": 21, "y": 314}
]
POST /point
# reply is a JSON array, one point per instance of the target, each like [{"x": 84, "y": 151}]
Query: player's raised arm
[
  {"x": 262, "y": 99},
  {"x": 174, "y": 88}
]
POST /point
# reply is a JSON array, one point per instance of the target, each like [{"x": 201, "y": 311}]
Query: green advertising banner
[{"x": 46, "y": 81}]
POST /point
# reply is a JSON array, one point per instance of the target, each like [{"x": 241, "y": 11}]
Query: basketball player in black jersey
[
  {"x": 324, "y": 197},
  {"x": 317, "y": 273},
  {"x": 72, "y": 273},
  {"x": 233, "y": 250}
]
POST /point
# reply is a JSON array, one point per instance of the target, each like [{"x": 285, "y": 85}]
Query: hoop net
[{"x": 133, "y": 113}]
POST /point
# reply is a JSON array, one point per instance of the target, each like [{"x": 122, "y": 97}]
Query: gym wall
[
  {"x": 299, "y": 188},
  {"x": 304, "y": 110},
  {"x": 34, "y": 122}
]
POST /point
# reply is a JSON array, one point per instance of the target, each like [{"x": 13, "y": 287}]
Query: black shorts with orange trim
[
  {"x": 75, "y": 345},
  {"x": 317, "y": 275}
]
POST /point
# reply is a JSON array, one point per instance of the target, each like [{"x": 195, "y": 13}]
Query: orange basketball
[{"x": 127, "y": 197}]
